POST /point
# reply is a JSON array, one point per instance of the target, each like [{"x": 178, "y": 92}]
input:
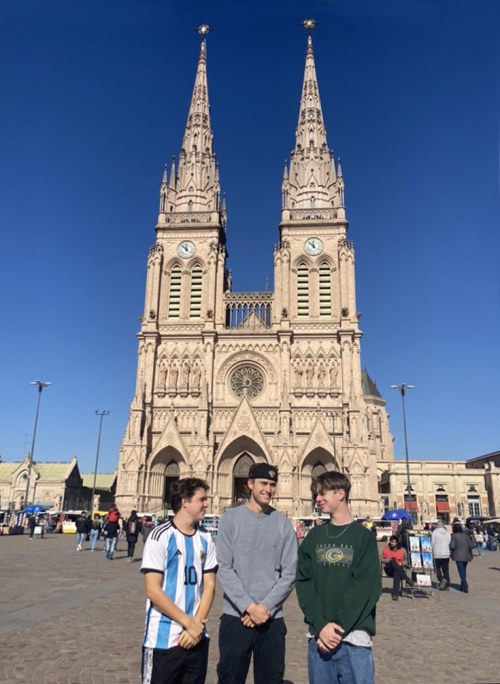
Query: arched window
[
  {"x": 190, "y": 205},
  {"x": 195, "y": 299},
  {"x": 325, "y": 290},
  {"x": 174, "y": 301},
  {"x": 302, "y": 290}
]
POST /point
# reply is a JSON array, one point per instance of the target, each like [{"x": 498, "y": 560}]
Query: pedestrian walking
[
  {"x": 110, "y": 531},
  {"x": 147, "y": 527},
  {"x": 461, "y": 546},
  {"x": 257, "y": 556},
  {"x": 179, "y": 566},
  {"x": 32, "y": 525},
  {"x": 81, "y": 530},
  {"x": 441, "y": 550},
  {"x": 338, "y": 586},
  {"x": 478, "y": 538},
  {"x": 132, "y": 531},
  {"x": 95, "y": 527}
]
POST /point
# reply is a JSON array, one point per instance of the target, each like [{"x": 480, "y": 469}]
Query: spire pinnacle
[
  {"x": 312, "y": 178},
  {"x": 195, "y": 186}
]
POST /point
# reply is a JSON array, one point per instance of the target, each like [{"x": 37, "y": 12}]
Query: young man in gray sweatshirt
[{"x": 257, "y": 557}]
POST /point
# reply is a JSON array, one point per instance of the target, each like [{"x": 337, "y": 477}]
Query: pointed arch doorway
[
  {"x": 171, "y": 475},
  {"x": 240, "y": 477},
  {"x": 317, "y": 469}
]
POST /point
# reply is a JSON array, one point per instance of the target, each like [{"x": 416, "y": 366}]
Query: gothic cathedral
[{"x": 226, "y": 378}]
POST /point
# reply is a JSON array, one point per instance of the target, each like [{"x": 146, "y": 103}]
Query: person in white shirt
[{"x": 441, "y": 549}]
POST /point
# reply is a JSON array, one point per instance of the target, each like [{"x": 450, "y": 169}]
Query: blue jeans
[
  {"x": 93, "y": 539},
  {"x": 479, "y": 547},
  {"x": 80, "y": 538},
  {"x": 110, "y": 546},
  {"x": 462, "y": 571},
  {"x": 346, "y": 664}
]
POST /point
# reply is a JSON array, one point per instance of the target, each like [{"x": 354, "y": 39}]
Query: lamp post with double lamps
[
  {"x": 101, "y": 415},
  {"x": 402, "y": 390},
  {"x": 41, "y": 386}
]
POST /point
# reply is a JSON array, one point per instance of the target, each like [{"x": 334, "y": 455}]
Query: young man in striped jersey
[{"x": 179, "y": 566}]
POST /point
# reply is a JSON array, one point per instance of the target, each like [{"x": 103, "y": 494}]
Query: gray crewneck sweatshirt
[{"x": 257, "y": 557}]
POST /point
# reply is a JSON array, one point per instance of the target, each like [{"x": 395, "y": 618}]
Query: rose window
[{"x": 247, "y": 380}]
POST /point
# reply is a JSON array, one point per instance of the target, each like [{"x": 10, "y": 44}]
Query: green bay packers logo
[{"x": 334, "y": 555}]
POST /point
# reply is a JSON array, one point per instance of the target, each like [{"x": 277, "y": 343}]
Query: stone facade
[
  {"x": 55, "y": 485},
  {"x": 445, "y": 489},
  {"x": 51, "y": 484},
  {"x": 227, "y": 378}
]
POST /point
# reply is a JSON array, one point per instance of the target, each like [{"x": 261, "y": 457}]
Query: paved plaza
[{"x": 76, "y": 618}]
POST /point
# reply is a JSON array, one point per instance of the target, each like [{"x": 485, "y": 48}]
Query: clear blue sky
[{"x": 94, "y": 101}]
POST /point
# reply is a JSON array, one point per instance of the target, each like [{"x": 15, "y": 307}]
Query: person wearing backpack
[
  {"x": 132, "y": 529},
  {"x": 113, "y": 514},
  {"x": 110, "y": 531}
]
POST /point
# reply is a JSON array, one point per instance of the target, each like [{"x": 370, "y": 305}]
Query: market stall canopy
[
  {"x": 397, "y": 514},
  {"x": 34, "y": 508}
]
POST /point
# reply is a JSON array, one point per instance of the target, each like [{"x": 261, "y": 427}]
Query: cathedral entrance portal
[
  {"x": 171, "y": 475},
  {"x": 240, "y": 477},
  {"x": 318, "y": 469}
]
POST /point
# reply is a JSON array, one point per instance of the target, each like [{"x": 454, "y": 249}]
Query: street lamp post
[
  {"x": 332, "y": 415},
  {"x": 41, "y": 386},
  {"x": 101, "y": 415},
  {"x": 402, "y": 390}
]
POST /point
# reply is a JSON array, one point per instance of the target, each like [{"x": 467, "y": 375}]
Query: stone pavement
[{"x": 76, "y": 618}]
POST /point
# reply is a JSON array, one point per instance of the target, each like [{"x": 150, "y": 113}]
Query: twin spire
[
  {"x": 312, "y": 183},
  {"x": 192, "y": 192}
]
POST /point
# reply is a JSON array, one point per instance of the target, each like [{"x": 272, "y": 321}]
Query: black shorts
[{"x": 175, "y": 665}]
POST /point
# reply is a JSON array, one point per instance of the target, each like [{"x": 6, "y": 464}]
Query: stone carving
[
  {"x": 195, "y": 378},
  {"x": 185, "y": 374},
  {"x": 174, "y": 376},
  {"x": 259, "y": 359},
  {"x": 321, "y": 375},
  {"x": 244, "y": 423},
  {"x": 333, "y": 374},
  {"x": 309, "y": 374},
  {"x": 315, "y": 326},
  {"x": 174, "y": 327},
  {"x": 162, "y": 376},
  {"x": 299, "y": 373},
  {"x": 247, "y": 380}
]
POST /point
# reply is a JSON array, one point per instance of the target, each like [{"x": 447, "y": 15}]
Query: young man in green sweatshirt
[{"x": 338, "y": 585}]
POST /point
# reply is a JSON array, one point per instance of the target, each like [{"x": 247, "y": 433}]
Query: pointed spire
[
  {"x": 312, "y": 177},
  {"x": 195, "y": 187}
]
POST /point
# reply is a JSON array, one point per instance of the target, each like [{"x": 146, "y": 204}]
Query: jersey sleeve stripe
[{"x": 158, "y": 531}]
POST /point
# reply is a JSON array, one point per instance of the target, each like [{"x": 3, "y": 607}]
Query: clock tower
[{"x": 226, "y": 379}]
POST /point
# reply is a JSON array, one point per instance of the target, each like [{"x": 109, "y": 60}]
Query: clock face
[
  {"x": 313, "y": 246},
  {"x": 186, "y": 249}
]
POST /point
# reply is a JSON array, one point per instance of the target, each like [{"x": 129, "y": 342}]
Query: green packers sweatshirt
[{"x": 338, "y": 577}]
